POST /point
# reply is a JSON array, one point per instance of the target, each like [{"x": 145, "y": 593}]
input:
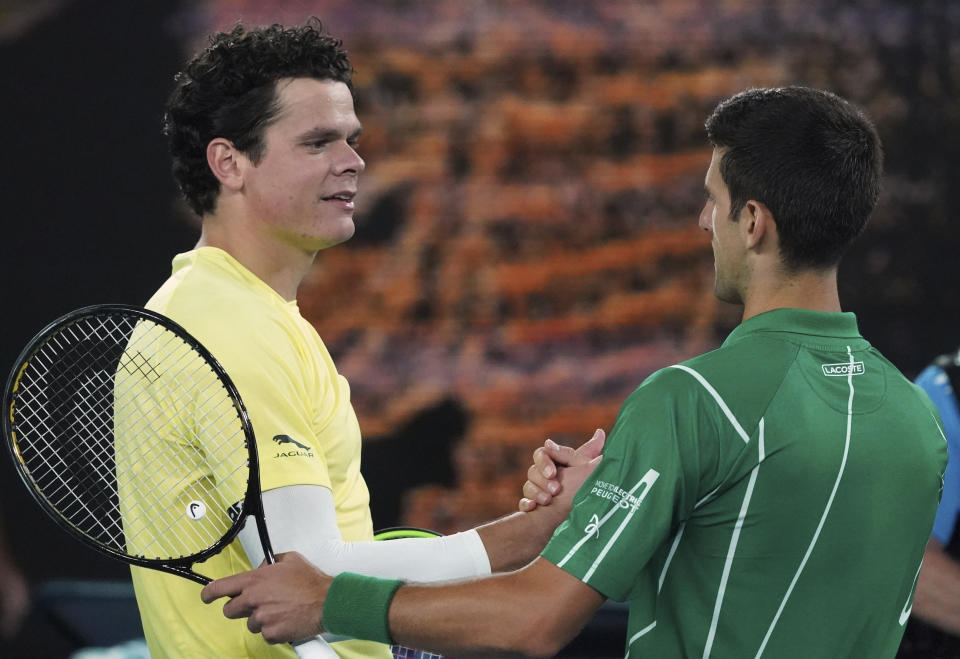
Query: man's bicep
[
  {"x": 614, "y": 529},
  {"x": 299, "y": 518}
]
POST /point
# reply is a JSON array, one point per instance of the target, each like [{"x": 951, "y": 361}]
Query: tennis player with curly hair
[{"x": 264, "y": 137}]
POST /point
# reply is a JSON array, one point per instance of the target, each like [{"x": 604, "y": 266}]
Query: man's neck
[
  {"x": 279, "y": 265},
  {"x": 815, "y": 290}
]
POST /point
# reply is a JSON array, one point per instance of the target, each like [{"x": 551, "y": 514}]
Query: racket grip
[{"x": 315, "y": 648}]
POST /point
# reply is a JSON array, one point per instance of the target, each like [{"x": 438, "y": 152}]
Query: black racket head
[{"x": 132, "y": 437}]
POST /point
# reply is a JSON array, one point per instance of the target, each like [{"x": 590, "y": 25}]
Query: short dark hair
[
  {"x": 809, "y": 156},
  {"x": 229, "y": 90}
]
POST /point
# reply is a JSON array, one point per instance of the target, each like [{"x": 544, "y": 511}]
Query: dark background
[{"x": 88, "y": 216}]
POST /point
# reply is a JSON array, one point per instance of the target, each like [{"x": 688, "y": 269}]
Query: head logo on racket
[{"x": 196, "y": 510}]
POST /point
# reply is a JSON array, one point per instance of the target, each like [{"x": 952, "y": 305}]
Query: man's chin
[
  {"x": 346, "y": 233},
  {"x": 725, "y": 294}
]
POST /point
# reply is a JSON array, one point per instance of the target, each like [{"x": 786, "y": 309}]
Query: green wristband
[{"x": 357, "y": 606}]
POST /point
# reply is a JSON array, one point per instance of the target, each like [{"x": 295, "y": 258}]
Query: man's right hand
[{"x": 543, "y": 482}]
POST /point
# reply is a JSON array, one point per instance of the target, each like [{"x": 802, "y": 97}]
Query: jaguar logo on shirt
[{"x": 300, "y": 450}]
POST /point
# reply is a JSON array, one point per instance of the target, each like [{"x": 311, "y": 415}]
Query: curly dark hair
[
  {"x": 811, "y": 157},
  {"x": 228, "y": 90}
]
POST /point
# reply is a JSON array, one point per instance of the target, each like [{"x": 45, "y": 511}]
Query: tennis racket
[
  {"x": 132, "y": 437},
  {"x": 399, "y": 651}
]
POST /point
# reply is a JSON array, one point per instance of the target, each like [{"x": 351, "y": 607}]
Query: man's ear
[
  {"x": 757, "y": 224},
  {"x": 225, "y": 161}
]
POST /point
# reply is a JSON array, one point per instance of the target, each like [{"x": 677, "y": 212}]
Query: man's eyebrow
[
  {"x": 323, "y": 134},
  {"x": 328, "y": 134}
]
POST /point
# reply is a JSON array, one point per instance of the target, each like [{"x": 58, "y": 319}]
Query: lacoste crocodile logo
[{"x": 287, "y": 439}]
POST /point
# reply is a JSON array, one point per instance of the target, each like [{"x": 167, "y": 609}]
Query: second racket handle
[{"x": 315, "y": 648}]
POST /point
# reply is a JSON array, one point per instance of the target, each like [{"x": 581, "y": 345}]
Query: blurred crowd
[{"x": 527, "y": 236}]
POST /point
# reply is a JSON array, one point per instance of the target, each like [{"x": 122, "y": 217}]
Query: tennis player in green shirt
[{"x": 771, "y": 498}]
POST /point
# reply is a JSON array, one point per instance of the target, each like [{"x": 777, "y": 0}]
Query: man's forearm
[
  {"x": 532, "y": 612},
  {"x": 937, "y": 600},
  {"x": 513, "y": 541}
]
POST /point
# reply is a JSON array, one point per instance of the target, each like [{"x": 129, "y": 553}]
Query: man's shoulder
[
  {"x": 230, "y": 320},
  {"x": 197, "y": 288},
  {"x": 735, "y": 381},
  {"x": 712, "y": 374},
  {"x": 200, "y": 294},
  {"x": 734, "y": 365}
]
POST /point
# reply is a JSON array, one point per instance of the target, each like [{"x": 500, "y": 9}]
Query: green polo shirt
[{"x": 770, "y": 498}]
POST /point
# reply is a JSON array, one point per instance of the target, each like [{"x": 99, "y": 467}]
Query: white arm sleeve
[{"x": 302, "y": 518}]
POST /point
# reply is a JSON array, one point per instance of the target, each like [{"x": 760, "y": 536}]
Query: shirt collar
[
  {"x": 227, "y": 262},
  {"x": 799, "y": 321}
]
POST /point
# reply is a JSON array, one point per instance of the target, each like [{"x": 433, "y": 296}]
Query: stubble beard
[{"x": 725, "y": 291}]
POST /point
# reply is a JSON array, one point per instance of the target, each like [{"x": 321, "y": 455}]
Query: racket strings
[
  {"x": 130, "y": 435},
  {"x": 181, "y": 433},
  {"x": 81, "y": 491}
]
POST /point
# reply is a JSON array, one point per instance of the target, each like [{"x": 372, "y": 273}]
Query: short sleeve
[
  {"x": 280, "y": 400},
  {"x": 645, "y": 484}
]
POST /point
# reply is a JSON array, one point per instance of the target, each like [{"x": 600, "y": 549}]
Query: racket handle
[{"x": 315, "y": 648}]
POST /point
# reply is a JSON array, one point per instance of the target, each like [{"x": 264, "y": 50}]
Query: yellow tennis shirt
[{"x": 306, "y": 430}]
